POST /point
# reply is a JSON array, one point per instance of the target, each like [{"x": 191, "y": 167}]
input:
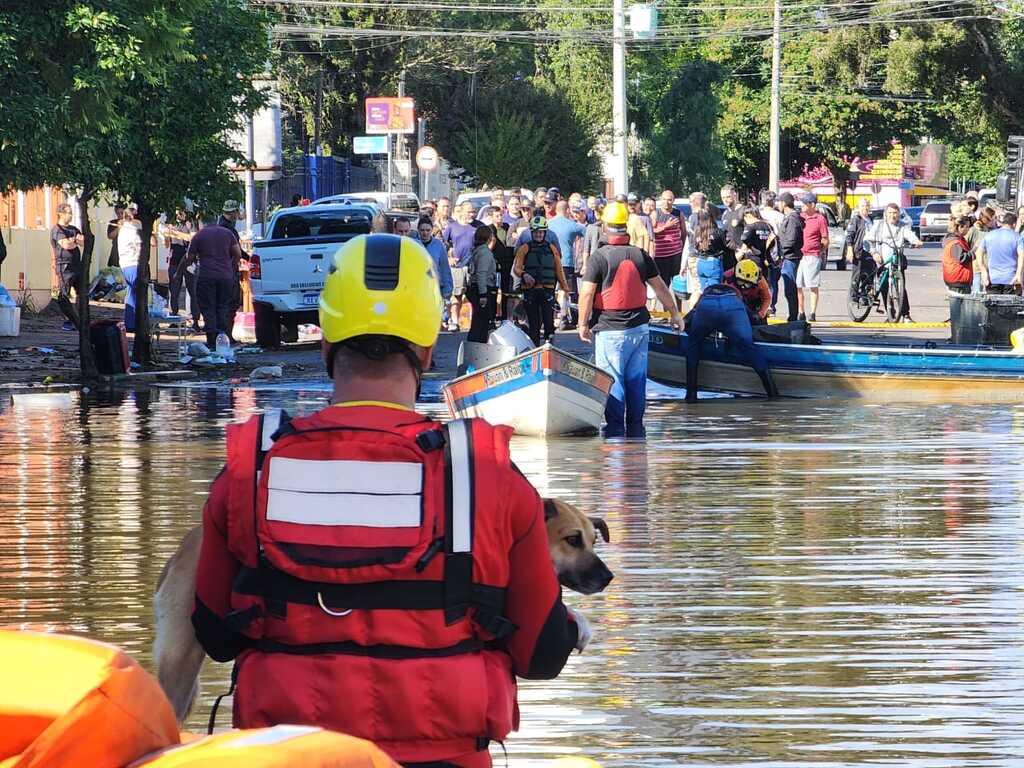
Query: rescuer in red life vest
[
  {"x": 613, "y": 307},
  {"x": 372, "y": 571}
]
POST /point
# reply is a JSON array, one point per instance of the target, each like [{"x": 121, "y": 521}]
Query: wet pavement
[{"x": 797, "y": 583}]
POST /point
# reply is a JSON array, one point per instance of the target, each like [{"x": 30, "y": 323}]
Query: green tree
[
  {"x": 682, "y": 153},
  {"x": 62, "y": 62},
  {"x": 553, "y": 147},
  {"x": 62, "y": 65},
  {"x": 175, "y": 144}
]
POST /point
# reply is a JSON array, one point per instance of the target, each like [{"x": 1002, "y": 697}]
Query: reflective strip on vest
[
  {"x": 374, "y": 494},
  {"x": 271, "y": 422},
  {"x": 462, "y": 487}
]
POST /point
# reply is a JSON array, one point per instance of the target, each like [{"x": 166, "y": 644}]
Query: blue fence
[{"x": 319, "y": 177}]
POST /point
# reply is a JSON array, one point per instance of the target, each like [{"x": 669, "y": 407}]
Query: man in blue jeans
[
  {"x": 721, "y": 308},
  {"x": 615, "y": 318}
]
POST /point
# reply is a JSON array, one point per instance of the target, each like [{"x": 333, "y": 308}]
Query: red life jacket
[
  {"x": 374, "y": 563},
  {"x": 751, "y": 296},
  {"x": 953, "y": 272},
  {"x": 623, "y": 287}
]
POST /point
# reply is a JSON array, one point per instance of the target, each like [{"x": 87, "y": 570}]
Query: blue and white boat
[
  {"x": 541, "y": 392},
  {"x": 881, "y": 373}
]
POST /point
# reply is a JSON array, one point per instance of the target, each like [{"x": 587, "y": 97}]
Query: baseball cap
[
  {"x": 600, "y": 201},
  {"x": 577, "y": 206},
  {"x": 551, "y": 196},
  {"x": 230, "y": 206},
  {"x": 556, "y": 190},
  {"x": 632, "y": 197},
  {"x": 808, "y": 198}
]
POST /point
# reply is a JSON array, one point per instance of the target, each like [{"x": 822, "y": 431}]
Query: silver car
[{"x": 935, "y": 220}]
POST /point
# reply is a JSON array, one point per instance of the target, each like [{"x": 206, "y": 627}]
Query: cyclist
[{"x": 888, "y": 239}]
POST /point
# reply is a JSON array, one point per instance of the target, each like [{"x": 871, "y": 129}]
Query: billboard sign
[
  {"x": 387, "y": 115},
  {"x": 927, "y": 165},
  {"x": 370, "y": 145}
]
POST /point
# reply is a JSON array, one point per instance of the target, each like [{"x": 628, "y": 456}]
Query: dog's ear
[
  {"x": 550, "y": 510},
  {"x": 601, "y": 526}
]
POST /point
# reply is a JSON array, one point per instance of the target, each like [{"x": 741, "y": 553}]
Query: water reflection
[{"x": 796, "y": 583}]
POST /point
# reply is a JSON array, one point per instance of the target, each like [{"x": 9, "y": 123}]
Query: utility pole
[
  {"x": 421, "y": 139},
  {"x": 620, "y": 170},
  {"x": 775, "y": 139},
  {"x": 400, "y": 152},
  {"x": 317, "y": 118},
  {"x": 250, "y": 182}
]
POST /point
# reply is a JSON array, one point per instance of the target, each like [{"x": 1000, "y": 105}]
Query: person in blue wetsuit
[{"x": 723, "y": 308}]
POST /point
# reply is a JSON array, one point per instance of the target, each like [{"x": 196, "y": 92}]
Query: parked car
[
  {"x": 389, "y": 201},
  {"x": 288, "y": 267},
  {"x": 935, "y": 219}
]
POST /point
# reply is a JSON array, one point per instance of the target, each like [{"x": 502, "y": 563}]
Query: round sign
[{"x": 426, "y": 158}]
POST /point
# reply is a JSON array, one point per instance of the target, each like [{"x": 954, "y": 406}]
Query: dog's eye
[{"x": 576, "y": 540}]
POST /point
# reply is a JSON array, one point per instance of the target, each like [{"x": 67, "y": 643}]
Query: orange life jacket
[
  {"x": 281, "y": 747},
  {"x": 374, "y": 563},
  {"x": 953, "y": 272},
  {"x": 68, "y": 702}
]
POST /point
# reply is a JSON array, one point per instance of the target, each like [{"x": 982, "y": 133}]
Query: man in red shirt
[
  {"x": 814, "y": 254},
  {"x": 370, "y": 570},
  {"x": 669, "y": 238}
]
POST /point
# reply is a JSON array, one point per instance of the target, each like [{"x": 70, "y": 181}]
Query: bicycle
[{"x": 887, "y": 287}]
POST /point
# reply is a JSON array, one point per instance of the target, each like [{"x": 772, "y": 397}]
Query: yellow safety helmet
[
  {"x": 381, "y": 285},
  {"x": 538, "y": 223},
  {"x": 1017, "y": 340},
  {"x": 615, "y": 214},
  {"x": 747, "y": 271}
]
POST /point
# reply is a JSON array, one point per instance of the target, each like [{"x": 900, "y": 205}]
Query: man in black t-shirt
[
  {"x": 732, "y": 226},
  {"x": 757, "y": 240},
  {"x": 613, "y": 308},
  {"x": 66, "y": 242}
]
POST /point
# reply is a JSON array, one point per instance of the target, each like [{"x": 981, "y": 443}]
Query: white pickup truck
[{"x": 288, "y": 266}]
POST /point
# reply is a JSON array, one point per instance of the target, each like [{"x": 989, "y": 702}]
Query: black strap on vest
[{"x": 455, "y": 595}]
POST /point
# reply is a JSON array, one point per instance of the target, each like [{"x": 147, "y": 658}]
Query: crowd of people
[
  {"x": 207, "y": 264},
  {"x": 983, "y": 249}
]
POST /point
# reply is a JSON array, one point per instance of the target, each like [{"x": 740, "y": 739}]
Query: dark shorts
[
  {"x": 570, "y": 278},
  {"x": 668, "y": 267},
  {"x": 1011, "y": 290},
  {"x": 67, "y": 275}
]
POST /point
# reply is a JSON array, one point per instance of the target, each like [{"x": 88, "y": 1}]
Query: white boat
[{"x": 541, "y": 392}]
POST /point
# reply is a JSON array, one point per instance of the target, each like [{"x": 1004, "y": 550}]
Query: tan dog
[{"x": 179, "y": 657}]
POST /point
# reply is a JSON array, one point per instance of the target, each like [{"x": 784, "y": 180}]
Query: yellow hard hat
[
  {"x": 1017, "y": 340},
  {"x": 747, "y": 271},
  {"x": 381, "y": 285},
  {"x": 615, "y": 214}
]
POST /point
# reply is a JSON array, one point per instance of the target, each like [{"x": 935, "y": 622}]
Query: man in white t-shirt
[{"x": 774, "y": 217}]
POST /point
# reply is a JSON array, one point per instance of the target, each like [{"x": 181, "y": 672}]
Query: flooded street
[{"x": 797, "y": 583}]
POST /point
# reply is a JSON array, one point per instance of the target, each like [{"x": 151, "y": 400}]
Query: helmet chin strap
[{"x": 378, "y": 349}]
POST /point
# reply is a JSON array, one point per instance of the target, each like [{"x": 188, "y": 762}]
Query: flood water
[{"x": 796, "y": 583}]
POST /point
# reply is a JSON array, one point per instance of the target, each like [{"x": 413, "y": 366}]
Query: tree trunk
[
  {"x": 840, "y": 180},
  {"x": 86, "y": 359},
  {"x": 142, "y": 352}
]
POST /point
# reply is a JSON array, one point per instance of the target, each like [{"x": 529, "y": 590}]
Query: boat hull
[
  {"x": 541, "y": 392},
  {"x": 886, "y": 374}
]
